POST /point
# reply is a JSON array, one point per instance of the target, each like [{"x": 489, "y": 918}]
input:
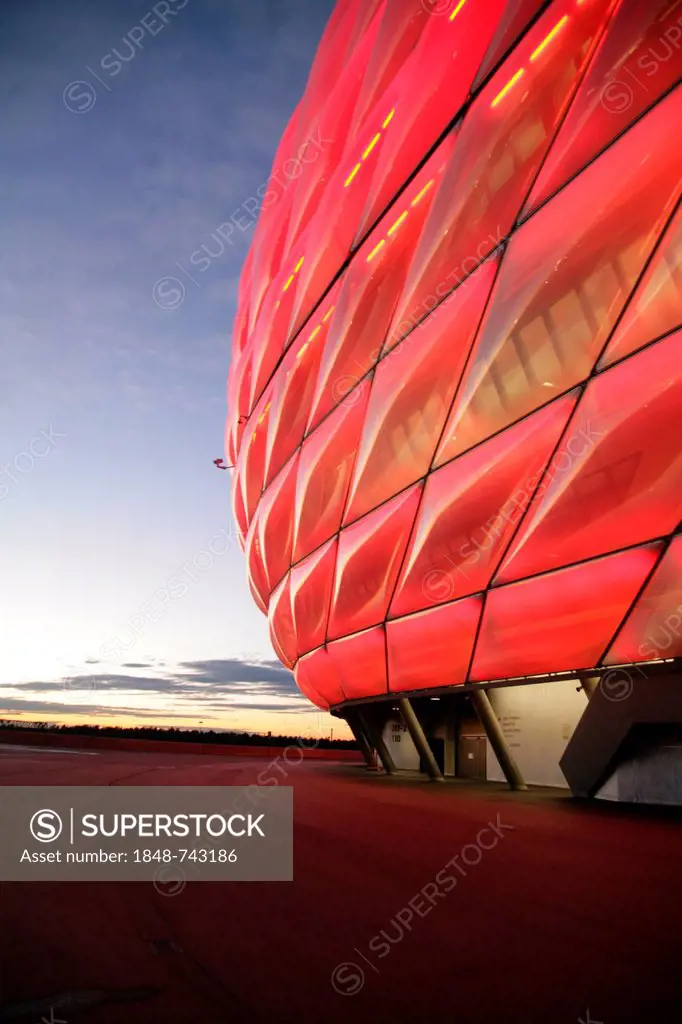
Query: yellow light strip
[
  {"x": 304, "y": 347},
  {"x": 510, "y": 85},
  {"x": 351, "y": 175},
  {"x": 388, "y": 119},
  {"x": 314, "y": 334},
  {"x": 549, "y": 37},
  {"x": 296, "y": 270},
  {"x": 327, "y": 314},
  {"x": 423, "y": 192},
  {"x": 397, "y": 224},
  {"x": 376, "y": 249},
  {"x": 262, "y": 416},
  {"x": 457, "y": 9},
  {"x": 371, "y": 145}
]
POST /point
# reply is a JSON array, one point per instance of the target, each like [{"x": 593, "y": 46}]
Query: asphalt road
[{"x": 572, "y": 914}]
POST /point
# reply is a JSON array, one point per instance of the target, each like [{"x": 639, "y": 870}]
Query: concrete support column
[
  {"x": 493, "y": 731},
  {"x": 450, "y": 742},
  {"x": 366, "y": 749},
  {"x": 372, "y": 731},
  {"x": 419, "y": 739},
  {"x": 589, "y": 685}
]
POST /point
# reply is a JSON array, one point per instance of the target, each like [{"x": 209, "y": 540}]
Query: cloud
[
  {"x": 223, "y": 671},
  {"x": 217, "y": 685},
  {"x": 10, "y": 705}
]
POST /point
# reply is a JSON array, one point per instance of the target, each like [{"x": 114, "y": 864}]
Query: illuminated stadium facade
[{"x": 455, "y": 396}]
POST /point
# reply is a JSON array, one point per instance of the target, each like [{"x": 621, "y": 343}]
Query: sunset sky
[{"x": 123, "y": 595}]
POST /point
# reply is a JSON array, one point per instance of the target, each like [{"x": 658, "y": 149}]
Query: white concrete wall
[
  {"x": 537, "y": 721},
  {"x": 400, "y": 745}
]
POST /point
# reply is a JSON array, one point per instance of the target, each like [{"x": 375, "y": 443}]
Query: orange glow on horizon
[{"x": 314, "y": 721}]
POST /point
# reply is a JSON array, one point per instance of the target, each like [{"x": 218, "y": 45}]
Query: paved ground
[{"x": 573, "y": 915}]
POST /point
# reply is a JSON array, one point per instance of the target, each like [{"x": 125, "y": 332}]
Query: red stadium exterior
[{"x": 455, "y": 397}]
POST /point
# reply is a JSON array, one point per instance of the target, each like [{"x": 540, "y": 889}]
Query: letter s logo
[{"x": 46, "y": 826}]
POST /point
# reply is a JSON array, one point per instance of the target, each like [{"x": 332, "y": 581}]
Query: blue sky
[{"x": 119, "y": 568}]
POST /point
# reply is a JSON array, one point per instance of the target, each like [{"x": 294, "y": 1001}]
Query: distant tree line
[{"x": 153, "y": 732}]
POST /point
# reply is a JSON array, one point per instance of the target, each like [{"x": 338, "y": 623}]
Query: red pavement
[{"x": 573, "y": 915}]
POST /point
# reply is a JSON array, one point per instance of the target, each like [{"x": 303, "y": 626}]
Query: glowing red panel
[
  {"x": 304, "y": 683},
  {"x": 656, "y": 306},
  {"x": 326, "y": 146},
  {"x": 270, "y": 334},
  {"x": 238, "y": 510},
  {"x": 370, "y": 553},
  {"x": 471, "y": 509},
  {"x": 620, "y": 480},
  {"x": 517, "y": 15},
  {"x": 653, "y": 629},
  {"x": 282, "y": 632},
  {"x": 327, "y": 458},
  {"x": 251, "y": 462},
  {"x": 334, "y": 47},
  {"x": 540, "y": 625},
  {"x": 258, "y": 600},
  {"x": 451, "y": 47},
  {"x": 256, "y": 569},
  {"x": 293, "y": 391},
  {"x": 411, "y": 395},
  {"x": 311, "y": 589},
  {"x": 498, "y": 151},
  {"x": 275, "y": 523},
  {"x": 318, "y": 678},
  {"x": 368, "y": 296},
  {"x": 639, "y": 58},
  {"x": 565, "y": 277},
  {"x": 402, "y": 23},
  {"x": 447, "y": 633},
  {"x": 360, "y": 660},
  {"x": 242, "y": 390},
  {"x": 269, "y": 234},
  {"x": 332, "y": 229}
]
